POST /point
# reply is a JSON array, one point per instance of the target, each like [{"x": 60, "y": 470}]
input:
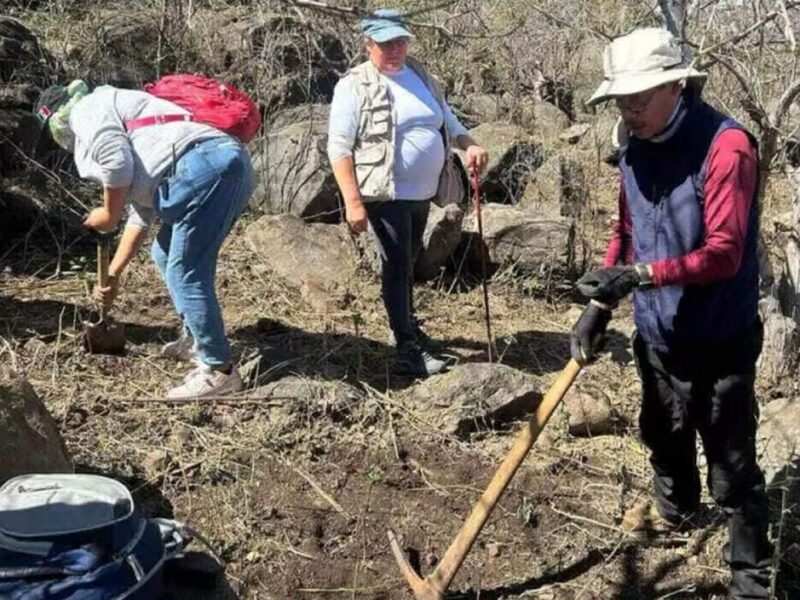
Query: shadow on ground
[{"x": 44, "y": 319}]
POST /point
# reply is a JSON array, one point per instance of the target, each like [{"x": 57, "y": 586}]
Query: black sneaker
[
  {"x": 427, "y": 342},
  {"x": 414, "y": 360},
  {"x": 423, "y": 339}
]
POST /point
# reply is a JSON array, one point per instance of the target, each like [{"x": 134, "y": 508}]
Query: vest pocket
[
  {"x": 369, "y": 161},
  {"x": 371, "y": 155},
  {"x": 376, "y": 122}
]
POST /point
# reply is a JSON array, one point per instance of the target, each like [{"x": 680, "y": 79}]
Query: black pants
[
  {"x": 398, "y": 226},
  {"x": 708, "y": 389}
]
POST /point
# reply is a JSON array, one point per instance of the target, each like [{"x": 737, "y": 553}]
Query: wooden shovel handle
[
  {"x": 458, "y": 550},
  {"x": 103, "y": 257}
]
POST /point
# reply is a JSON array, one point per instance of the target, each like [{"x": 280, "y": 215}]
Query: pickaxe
[{"x": 434, "y": 585}]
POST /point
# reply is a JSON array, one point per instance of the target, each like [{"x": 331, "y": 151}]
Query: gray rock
[
  {"x": 283, "y": 60},
  {"x": 558, "y": 187},
  {"x": 542, "y": 119},
  {"x": 534, "y": 243},
  {"x": 295, "y": 176},
  {"x": 514, "y": 156},
  {"x": 778, "y": 439},
  {"x": 590, "y": 413},
  {"x": 29, "y": 438},
  {"x": 442, "y": 236},
  {"x": 119, "y": 48},
  {"x": 574, "y": 134},
  {"x": 294, "y": 399},
  {"x": 319, "y": 259},
  {"x": 475, "y": 396},
  {"x": 23, "y": 60},
  {"x": 299, "y": 114},
  {"x": 18, "y": 213},
  {"x": 481, "y": 108}
]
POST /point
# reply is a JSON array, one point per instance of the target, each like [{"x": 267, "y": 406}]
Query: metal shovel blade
[{"x": 104, "y": 337}]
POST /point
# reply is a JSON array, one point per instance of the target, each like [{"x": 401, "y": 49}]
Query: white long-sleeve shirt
[{"x": 419, "y": 147}]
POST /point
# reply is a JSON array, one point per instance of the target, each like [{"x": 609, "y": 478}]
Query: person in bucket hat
[
  {"x": 390, "y": 138},
  {"x": 685, "y": 246},
  {"x": 192, "y": 177}
]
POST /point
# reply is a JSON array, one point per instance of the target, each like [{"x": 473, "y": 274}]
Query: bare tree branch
[
  {"x": 564, "y": 23},
  {"x": 788, "y": 30},
  {"x": 672, "y": 14},
  {"x": 784, "y": 103},
  {"x": 770, "y": 16}
]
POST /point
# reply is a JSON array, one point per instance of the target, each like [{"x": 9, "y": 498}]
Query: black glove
[
  {"x": 587, "y": 333},
  {"x": 612, "y": 284}
]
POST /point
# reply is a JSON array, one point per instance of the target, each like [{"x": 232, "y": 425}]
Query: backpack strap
[
  {"x": 176, "y": 536},
  {"x": 135, "y": 124}
]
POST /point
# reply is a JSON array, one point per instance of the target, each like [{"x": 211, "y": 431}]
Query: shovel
[
  {"x": 105, "y": 336},
  {"x": 434, "y": 586}
]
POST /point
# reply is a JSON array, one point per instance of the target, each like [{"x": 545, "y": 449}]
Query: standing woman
[
  {"x": 389, "y": 134},
  {"x": 196, "y": 179}
]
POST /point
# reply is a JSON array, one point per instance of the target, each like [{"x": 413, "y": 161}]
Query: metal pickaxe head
[{"x": 423, "y": 589}]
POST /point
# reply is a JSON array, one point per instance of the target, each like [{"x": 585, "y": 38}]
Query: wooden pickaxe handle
[{"x": 437, "y": 582}]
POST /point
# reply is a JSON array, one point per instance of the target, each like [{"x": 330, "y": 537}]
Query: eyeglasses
[{"x": 636, "y": 103}]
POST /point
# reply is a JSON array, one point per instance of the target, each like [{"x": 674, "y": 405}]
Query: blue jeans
[{"x": 198, "y": 202}]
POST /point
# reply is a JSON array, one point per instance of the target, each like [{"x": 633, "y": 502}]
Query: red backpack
[{"x": 209, "y": 101}]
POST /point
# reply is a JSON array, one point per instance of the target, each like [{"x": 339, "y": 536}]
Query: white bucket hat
[{"x": 642, "y": 60}]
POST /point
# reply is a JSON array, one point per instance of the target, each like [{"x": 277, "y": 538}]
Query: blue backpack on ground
[{"x": 78, "y": 537}]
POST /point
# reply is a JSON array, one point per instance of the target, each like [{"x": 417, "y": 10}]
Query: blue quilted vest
[{"x": 664, "y": 185}]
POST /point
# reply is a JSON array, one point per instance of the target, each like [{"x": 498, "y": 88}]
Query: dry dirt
[{"x": 299, "y": 504}]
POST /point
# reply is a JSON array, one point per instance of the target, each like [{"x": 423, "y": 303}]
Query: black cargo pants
[
  {"x": 709, "y": 389},
  {"x": 399, "y": 226}
]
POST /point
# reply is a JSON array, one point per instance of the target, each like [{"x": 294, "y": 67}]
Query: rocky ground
[{"x": 296, "y": 481}]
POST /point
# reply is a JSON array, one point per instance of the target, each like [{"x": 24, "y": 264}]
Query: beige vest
[{"x": 373, "y": 154}]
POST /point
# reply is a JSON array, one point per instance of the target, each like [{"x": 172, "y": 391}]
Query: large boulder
[
  {"x": 120, "y": 48},
  {"x": 25, "y": 68},
  {"x": 514, "y": 156},
  {"x": 319, "y": 259},
  {"x": 18, "y": 213},
  {"x": 442, "y": 237},
  {"x": 534, "y": 243},
  {"x": 29, "y": 438},
  {"x": 298, "y": 114},
  {"x": 295, "y": 176},
  {"x": 543, "y": 119},
  {"x": 474, "y": 397},
  {"x": 481, "y": 108},
  {"x": 283, "y": 60},
  {"x": 557, "y": 187}
]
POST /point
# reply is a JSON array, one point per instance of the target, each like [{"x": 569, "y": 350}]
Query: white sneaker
[
  {"x": 184, "y": 348},
  {"x": 204, "y": 382}
]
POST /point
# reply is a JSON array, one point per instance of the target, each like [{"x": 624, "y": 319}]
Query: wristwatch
[{"x": 645, "y": 280}]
